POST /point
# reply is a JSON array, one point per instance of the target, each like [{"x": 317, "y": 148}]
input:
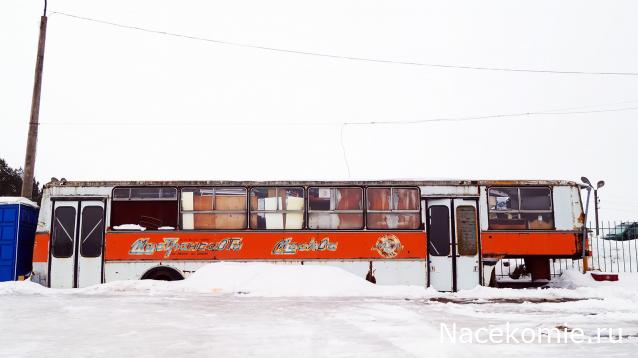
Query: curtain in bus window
[
  {"x": 294, "y": 220},
  {"x": 203, "y": 201},
  {"x": 379, "y": 199},
  {"x": 188, "y": 218},
  {"x": 536, "y": 199},
  {"x": 214, "y": 208},
  {"x": 277, "y": 208},
  {"x": 466, "y": 229},
  {"x": 341, "y": 221},
  {"x": 327, "y": 206},
  {"x": 349, "y": 199},
  {"x": 403, "y": 221},
  {"x": 439, "y": 231},
  {"x": 92, "y": 231},
  {"x": 409, "y": 221},
  {"x": 405, "y": 199},
  {"x": 63, "y": 232},
  {"x": 273, "y": 220},
  {"x": 387, "y": 208},
  {"x": 233, "y": 201}
]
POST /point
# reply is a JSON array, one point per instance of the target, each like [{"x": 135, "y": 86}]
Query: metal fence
[{"x": 614, "y": 249}]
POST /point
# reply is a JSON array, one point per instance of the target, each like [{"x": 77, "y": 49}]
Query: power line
[
  {"x": 343, "y": 57},
  {"x": 343, "y": 149},
  {"x": 558, "y": 112},
  {"x": 492, "y": 116},
  {"x": 405, "y": 122}
]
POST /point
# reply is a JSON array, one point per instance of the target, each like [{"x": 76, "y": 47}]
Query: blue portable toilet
[{"x": 18, "y": 222}]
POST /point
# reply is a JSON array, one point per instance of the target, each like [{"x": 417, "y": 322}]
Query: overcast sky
[{"x": 125, "y": 104}]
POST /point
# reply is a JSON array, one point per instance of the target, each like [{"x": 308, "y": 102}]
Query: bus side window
[
  {"x": 520, "y": 208},
  {"x": 141, "y": 208},
  {"x": 219, "y": 208},
  {"x": 393, "y": 208},
  {"x": 335, "y": 208},
  {"x": 276, "y": 208}
]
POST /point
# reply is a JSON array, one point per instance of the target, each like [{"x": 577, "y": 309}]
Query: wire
[
  {"x": 522, "y": 114},
  {"x": 343, "y": 149},
  {"x": 344, "y": 57},
  {"x": 418, "y": 121}
]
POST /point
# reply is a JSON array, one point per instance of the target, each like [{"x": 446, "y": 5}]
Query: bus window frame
[
  {"x": 421, "y": 226},
  {"x": 277, "y": 187},
  {"x": 246, "y": 211},
  {"x": 332, "y": 195},
  {"x": 113, "y": 198},
  {"x": 519, "y": 211},
  {"x": 109, "y": 223}
]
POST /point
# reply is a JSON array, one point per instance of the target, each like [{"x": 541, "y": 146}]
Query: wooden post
[
  {"x": 32, "y": 140},
  {"x": 585, "y": 264}
]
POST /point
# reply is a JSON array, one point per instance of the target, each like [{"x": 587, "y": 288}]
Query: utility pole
[
  {"x": 589, "y": 188},
  {"x": 32, "y": 140}
]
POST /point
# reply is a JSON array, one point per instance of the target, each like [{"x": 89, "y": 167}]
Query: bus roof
[{"x": 411, "y": 182}]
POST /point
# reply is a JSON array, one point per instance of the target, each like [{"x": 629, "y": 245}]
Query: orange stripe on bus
[
  {"x": 264, "y": 245},
  {"x": 530, "y": 243},
  {"x": 41, "y": 247},
  {"x": 309, "y": 245}
]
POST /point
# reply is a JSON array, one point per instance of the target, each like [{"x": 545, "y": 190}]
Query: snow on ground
[
  {"x": 239, "y": 309},
  {"x": 614, "y": 256}
]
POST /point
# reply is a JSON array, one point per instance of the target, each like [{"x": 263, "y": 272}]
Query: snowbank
[
  {"x": 266, "y": 280},
  {"x": 282, "y": 280},
  {"x": 22, "y": 287},
  {"x": 243, "y": 279},
  {"x": 17, "y": 200},
  {"x": 571, "y": 286}
]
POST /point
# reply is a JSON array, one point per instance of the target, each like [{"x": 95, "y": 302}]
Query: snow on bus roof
[
  {"x": 17, "y": 200},
  {"x": 416, "y": 182}
]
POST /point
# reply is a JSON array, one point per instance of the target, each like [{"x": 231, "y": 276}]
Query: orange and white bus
[{"x": 444, "y": 234}]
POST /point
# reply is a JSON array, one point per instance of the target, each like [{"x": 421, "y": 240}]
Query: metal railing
[{"x": 613, "y": 249}]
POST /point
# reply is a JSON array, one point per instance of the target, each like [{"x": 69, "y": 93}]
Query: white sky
[{"x": 198, "y": 110}]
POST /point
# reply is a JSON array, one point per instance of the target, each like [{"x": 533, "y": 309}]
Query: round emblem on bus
[{"x": 388, "y": 246}]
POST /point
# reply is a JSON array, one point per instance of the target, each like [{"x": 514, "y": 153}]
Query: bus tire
[{"x": 162, "y": 273}]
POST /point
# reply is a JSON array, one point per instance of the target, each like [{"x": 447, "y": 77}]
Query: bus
[{"x": 445, "y": 234}]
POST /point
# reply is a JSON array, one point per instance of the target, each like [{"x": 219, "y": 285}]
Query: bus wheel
[{"x": 162, "y": 273}]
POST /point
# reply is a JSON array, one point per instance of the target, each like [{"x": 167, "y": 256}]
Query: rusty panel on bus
[{"x": 513, "y": 244}]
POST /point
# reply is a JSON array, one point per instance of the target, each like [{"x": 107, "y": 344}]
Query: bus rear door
[
  {"x": 77, "y": 241},
  {"x": 453, "y": 244}
]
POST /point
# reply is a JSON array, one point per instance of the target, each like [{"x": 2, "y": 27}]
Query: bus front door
[
  {"x": 453, "y": 244},
  {"x": 77, "y": 240}
]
